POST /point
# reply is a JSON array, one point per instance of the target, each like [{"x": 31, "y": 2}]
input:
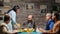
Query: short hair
[
  {"x": 6, "y": 18},
  {"x": 48, "y": 14},
  {"x": 30, "y": 16}
]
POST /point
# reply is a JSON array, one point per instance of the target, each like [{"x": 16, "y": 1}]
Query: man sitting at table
[
  {"x": 4, "y": 29},
  {"x": 29, "y": 23},
  {"x": 50, "y": 22}
]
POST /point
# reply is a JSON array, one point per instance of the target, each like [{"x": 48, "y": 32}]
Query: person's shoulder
[
  {"x": 12, "y": 11},
  {"x": 33, "y": 21},
  {"x": 3, "y": 24},
  {"x": 51, "y": 21},
  {"x": 58, "y": 22}
]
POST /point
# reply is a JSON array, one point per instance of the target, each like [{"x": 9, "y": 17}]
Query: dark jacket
[{"x": 29, "y": 24}]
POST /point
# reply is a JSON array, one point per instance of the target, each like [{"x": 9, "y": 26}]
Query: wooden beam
[{"x": 1, "y": 3}]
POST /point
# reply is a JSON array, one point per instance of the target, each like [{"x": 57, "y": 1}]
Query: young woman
[{"x": 12, "y": 13}]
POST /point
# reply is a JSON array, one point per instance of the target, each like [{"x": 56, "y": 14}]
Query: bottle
[{"x": 37, "y": 30}]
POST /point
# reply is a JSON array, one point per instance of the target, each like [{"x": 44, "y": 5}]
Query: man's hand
[
  {"x": 42, "y": 30},
  {"x": 15, "y": 31}
]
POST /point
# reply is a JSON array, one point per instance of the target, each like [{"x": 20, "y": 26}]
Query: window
[
  {"x": 7, "y": 1},
  {"x": 57, "y": 1},
  {"x": 29, "y": 6},
  {"x": 43, "y": 8}
]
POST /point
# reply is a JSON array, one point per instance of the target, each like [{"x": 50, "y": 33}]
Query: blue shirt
[{"x": 49, "y": 25}]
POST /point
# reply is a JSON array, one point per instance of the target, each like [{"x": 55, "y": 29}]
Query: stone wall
[{"x": 22, "y": 15}]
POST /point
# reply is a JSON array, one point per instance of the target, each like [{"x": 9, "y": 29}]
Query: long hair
[
  {"x": 14, "y": 8},
  {"x": 57, "y": 16}
]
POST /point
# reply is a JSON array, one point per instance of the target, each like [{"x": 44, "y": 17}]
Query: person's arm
[
  {"x": 8, "y": 31},
  {"x": 34, "y": 25},
  {"x": 54, "y": 30},
  {"x": 51, "y": 25},
  {"x": 23, "y": 25},
  {"x": 13, "y": 16}
]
